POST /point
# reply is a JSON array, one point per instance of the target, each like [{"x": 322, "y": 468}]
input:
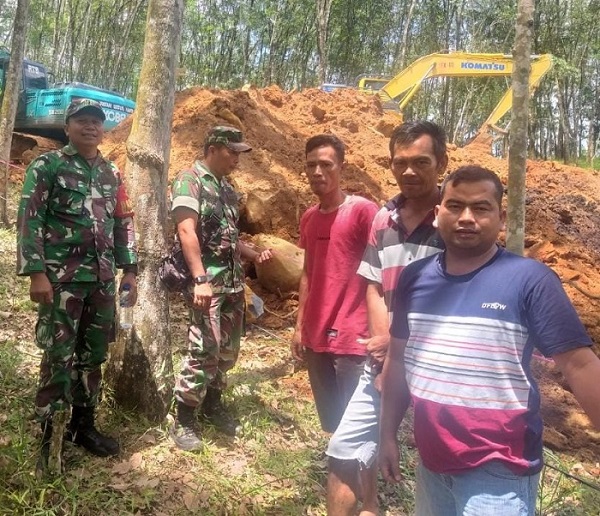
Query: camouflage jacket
[
  {"x": 74, "y": 220},
  {"x": 216, "y": 203}
]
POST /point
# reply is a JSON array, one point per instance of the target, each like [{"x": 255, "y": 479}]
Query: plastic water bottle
[{"x": 125, "y": 311}]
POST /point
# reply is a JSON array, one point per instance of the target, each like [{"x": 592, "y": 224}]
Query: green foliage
[
  {"x": 259, "y": 42},
  {"x": 560, "y": 495},
  {"x": 98, "y": 41},
  {"x": 584, "y": 162},
  {"x": 7, "y": 14},
  {"x": 276, "y": 466},
  {"x": 229, "y": 43}
]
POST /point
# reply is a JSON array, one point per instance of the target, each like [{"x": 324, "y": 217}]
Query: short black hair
[
  {"x": 327, "y": 140},
  {"x": 473, "y": 174},
  {"x": 408, "y": 132}
]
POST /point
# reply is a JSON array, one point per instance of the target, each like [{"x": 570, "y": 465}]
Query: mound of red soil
[
  {"x": 562, "y": 206},
  {"x": 562, "y": 210}
]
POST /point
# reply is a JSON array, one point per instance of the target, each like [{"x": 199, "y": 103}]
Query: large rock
[
  {"x": 282, "y": 273},
  {"x": 266, "y": 210}
]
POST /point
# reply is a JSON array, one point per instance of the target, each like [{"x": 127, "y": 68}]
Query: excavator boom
[
  {"x": 463, "y": 64},
  {"x": 540, "y": 66}
]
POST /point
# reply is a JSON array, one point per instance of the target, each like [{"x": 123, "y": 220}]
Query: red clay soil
[
  {"x": 562, "y": 204},
  {"x": 563, "y": 210}
]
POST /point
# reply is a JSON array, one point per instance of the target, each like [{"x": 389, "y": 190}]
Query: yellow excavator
[{"x": 398, "y": 91}]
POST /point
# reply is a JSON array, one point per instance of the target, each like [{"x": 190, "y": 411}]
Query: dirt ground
[{"x": 562, "y": 204}]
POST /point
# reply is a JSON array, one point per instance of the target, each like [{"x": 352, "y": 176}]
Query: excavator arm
[
  {"x": 462, "y": 64},
  {"x": 540, "y": 66}
]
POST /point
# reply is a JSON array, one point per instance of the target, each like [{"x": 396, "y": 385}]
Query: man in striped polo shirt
[
  {"x": 465, "y": 326},
  {"x": 402, "y": 232}
]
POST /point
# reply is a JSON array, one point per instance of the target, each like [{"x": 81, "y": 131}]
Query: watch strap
[{"x": 199, "y": 280}]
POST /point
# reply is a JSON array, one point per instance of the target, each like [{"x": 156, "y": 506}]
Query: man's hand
[
  {"x": 129, "y": 279},
  {"x": 202, "y": 296},
  {"x": 389, "y": 460},
  {"x": 581, "y": 368},
  {"x": 377, "y": 346},
  {"x": 296, "y": 346},
  {"x": 263, "y": 256},
  {"x": 40, "y": 290}
]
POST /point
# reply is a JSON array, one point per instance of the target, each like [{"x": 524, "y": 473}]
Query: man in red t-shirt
[{"x": 332, "y": 313}]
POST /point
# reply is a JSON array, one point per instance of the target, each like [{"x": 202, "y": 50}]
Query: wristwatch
[{"x": 199, "y": 280}]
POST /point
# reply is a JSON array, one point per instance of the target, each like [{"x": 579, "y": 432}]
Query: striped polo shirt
[
  {"x": 470, "y": 339},
  {"x": 390, "y": 248}
]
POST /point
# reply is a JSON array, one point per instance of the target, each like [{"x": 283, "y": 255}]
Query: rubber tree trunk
[
  {"x": 517, "y": 154},
  {"x": 140, "y": 366},
  {"x": 10, "y": 99},
  {"x": 323, "y": 11}
]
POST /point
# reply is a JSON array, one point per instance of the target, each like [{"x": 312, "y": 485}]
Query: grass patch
[
  {"x": 276, "y": 466},
  {"x": 584, "y": 162},
  {"x": 561, "y": 495}
]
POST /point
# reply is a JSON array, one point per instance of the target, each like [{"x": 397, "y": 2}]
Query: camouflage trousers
[
  {"x": 213, "y": 347},
  {"x": 73, "y": 332}
]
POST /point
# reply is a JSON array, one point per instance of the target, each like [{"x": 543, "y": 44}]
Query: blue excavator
[{"x": 42, "y": 105}]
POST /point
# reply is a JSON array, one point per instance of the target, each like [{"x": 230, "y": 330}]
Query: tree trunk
[
  {"x": 564, "y": 127},
  {"x": 323, "y": 11},
  {"x": 140, "y": 367},
  {"x": 55, "y": 36},
  {"x": 407, "y": 25},
  {"x": 517, "y": 154},
  {"x": 132, "y": 14},
  {"x": 10, "y": 99}
]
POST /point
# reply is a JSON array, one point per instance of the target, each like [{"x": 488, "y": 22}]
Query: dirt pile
[
  {"x": 563, "y": 210},
  {"x": 277, "y": 124}
]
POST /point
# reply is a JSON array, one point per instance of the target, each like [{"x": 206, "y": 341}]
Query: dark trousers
[{"x": 333, "y": 380}]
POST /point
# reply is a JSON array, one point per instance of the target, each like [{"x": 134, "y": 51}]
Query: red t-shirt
[{"x": 335, "y": 314}]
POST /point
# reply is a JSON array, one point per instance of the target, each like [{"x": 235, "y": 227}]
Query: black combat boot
[
  {"x": 82, "y": 431},
  {"x": 217, "y": 414},
  {"x": 185, "y": 432}
]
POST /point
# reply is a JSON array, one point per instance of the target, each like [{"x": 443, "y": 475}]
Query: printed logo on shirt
[
  {"x": 493, "y": 306},
  {"x": 331, "y": 332}
]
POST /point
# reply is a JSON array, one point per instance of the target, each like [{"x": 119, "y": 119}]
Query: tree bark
[
  {"x": 116, "y": 66},
  {"x": 140, "y": 366},
  {"x": 10, "y": 100},
  {"x": 517, "y": 154},
  {"x": 323, "y": 11}
]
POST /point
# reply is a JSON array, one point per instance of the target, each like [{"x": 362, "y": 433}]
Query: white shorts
[{"x": 357, "y": 436}]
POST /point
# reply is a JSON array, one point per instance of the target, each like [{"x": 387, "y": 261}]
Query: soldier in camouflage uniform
[
  {"x": 75, "y": 227},
  {"x": 205, "y": 208}
]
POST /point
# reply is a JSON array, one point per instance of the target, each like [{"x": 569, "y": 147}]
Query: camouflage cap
[
  {"x": 228, "y": 136},
  {"x": 79, "y": 105}
]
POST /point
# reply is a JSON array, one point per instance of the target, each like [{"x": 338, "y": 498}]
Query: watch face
[{"x": 199, "y": 280}]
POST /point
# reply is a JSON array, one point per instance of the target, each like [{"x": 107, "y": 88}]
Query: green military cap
[
  {"x": 90, "y": 106},
  {"x": 228, "y": 136}
]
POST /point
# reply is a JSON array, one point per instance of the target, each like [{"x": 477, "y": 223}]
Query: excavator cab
[
  {"x": 374, "y": 86},
  {"x": 33, "y": 73},
  {"x": 35, "y": 76},
  {"x": 4, "y": 58},
  {"x": 41, "y": 108},
  {"x": 371, "y": 84}
]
